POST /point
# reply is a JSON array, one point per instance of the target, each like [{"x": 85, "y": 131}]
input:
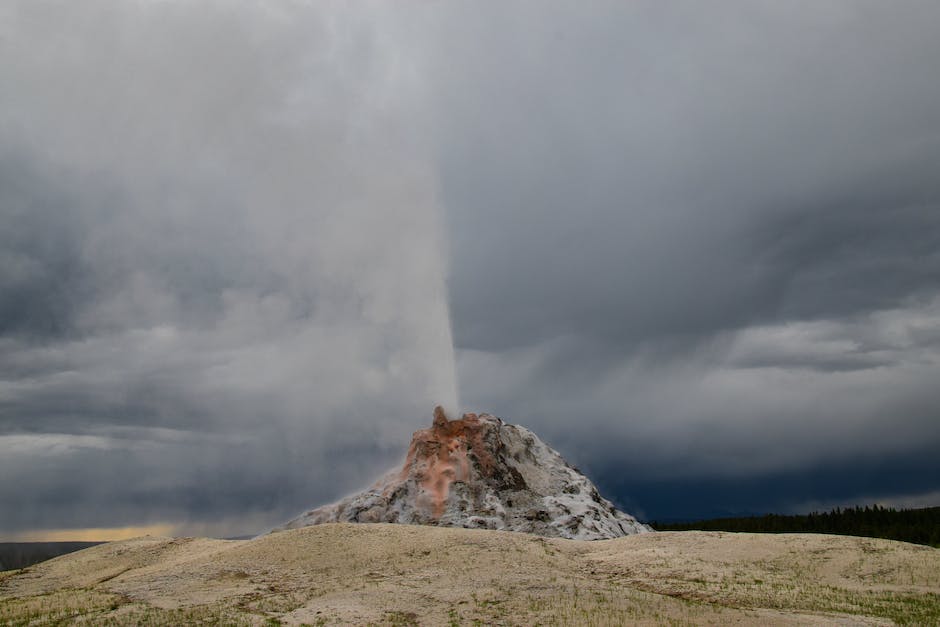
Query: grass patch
[{"x": 92, "y": 607}]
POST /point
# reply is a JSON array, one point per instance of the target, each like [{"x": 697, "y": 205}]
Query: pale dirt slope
[{"x": 404, "y": 574}]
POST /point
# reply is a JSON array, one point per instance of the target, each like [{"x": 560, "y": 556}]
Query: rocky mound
[{"x": 480, "y": 472}]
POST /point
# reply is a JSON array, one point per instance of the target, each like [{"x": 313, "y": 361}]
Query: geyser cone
[{"x": 480, "y": 472}]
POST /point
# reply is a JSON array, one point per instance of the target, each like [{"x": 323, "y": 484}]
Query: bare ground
[{"x": 405, "y": 575}]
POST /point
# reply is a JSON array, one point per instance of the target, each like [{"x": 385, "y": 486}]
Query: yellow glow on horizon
[{"x": 99, "y": 534}]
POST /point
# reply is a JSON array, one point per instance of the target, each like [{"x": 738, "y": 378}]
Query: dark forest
[{"x": 919, "y": 526}]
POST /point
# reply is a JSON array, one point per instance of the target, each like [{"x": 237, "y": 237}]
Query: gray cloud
[
  {"x": 689, "y": 244},
  {"x": 223, "y": 288},
  {"x": 663, "y": 170},
  {"x": 698, "y": 241}
]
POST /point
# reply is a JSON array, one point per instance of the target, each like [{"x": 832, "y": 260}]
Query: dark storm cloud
[
  {"x": 696, "y": 247},
  {"x": 863, "y": 481},
  {"x": 698, "y": 240},
  {"x": 688, "y": 169},
  {"x": 41, "y": 269}
]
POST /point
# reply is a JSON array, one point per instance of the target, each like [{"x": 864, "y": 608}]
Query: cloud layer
[
  {"x": 695, "y": 247},
  {"x": 224, "y": 262},
  {"x": 700, "y": 245}
]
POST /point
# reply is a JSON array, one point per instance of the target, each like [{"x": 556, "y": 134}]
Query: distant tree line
[{"x": 920, "y": 526}]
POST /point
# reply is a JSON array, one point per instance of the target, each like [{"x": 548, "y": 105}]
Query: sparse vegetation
[{"x": 404, "y": 575}]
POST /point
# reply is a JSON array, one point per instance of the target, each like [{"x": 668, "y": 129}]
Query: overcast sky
[{"x": 245, "y": 248}]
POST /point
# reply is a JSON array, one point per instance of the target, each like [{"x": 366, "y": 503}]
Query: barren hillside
[{"x": 403, "y": 574}]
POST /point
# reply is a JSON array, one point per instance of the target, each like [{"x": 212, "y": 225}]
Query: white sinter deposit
[{"x": 479, "y": 472}]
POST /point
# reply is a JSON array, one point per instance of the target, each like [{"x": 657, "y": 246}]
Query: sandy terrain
[{"x": 401, "y": 574}]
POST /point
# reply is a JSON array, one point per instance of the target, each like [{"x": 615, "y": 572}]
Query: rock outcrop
[{"x": 480, "y": 472}]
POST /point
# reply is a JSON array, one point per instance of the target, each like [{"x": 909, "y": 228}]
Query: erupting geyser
[{"x": 480, "y": 472}]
